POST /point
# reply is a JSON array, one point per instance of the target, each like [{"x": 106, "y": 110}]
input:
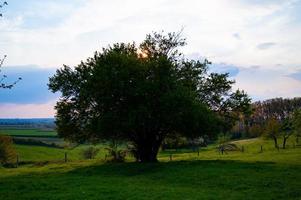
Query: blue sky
[{"x": 256, "y": 41}]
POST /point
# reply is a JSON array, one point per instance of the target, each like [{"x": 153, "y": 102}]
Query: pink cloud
[{"x": 27, "y": 110}]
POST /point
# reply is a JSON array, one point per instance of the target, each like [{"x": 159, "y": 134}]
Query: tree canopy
[{"x": 143, "y": 93}]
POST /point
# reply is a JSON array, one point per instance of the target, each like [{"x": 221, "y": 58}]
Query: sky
[{"x": 257, "y": 41}]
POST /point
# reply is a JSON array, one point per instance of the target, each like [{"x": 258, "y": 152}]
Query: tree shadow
[{"x": 136, "y": 169}]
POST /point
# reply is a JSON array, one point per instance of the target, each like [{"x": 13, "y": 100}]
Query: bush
[
  {"x": 7, "y": 151},
  {"x": 255, "y": 131},
  {"x": 174, "y": 142},
  {"x": 225, "y": 145},
  {"x": 117, "y": 155},
  {"x": 35, "y": 142},
  {"x": 90, "y": 153}
]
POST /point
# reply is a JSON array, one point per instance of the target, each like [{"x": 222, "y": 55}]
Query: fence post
[
  {"x": 198, "y": 152},
  {"x": 66, "y": 158},
  {"x": 261, "y": 149},
  {"x": 170, "y": 157}
]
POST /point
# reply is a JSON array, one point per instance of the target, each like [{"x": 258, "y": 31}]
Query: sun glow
[{"x": 142, "y": 54}]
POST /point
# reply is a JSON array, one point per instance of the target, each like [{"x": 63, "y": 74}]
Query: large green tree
[{"x": 142, "y": 94}]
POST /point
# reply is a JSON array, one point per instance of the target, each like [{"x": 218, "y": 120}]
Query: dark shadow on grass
[{"x": 137, "y": 169}]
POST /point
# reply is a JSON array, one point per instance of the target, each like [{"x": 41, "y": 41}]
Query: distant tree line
[
  {"x": 273, "y": 118},
  {"x": 277, "y": 108}
]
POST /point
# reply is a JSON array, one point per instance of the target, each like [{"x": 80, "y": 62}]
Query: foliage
[
  {"x": 143, "y": 93},
  {"x": 223, "y": 138},
  {"x": 174, "y": 141},
  {"x": 7, "y": 151},
  {"x": 286, "y": 130},
  {"x": 285, "y": 111},
  {"x": 255, "y": 131},
  {"x": 35, "y": 142},
  {"x": 225, "y": 145},
  {"x": 272, "y": 130},
  {"x": 277, "y": 108},
  {"x": 297, "y": 124},
  {"x": 2, "y": 4},
  {"x": 117, "y": 155},
  {"x": 90, "y": 153}
]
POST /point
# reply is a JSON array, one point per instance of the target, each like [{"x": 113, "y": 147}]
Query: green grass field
[
  {"x": 236, "y": 175},
  {"x": 28, "y": 132}
]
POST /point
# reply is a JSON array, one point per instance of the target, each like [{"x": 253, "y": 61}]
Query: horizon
[{"x": 242, "y": 37}]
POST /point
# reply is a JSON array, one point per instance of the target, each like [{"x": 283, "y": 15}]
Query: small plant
[
  {"x": 7, "y": 151},
  {"x": 90, "y": 153},
  {"x": 117, "y": 155}
]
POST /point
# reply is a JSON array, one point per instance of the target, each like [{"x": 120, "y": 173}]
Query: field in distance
[{"x": 31, "y": 132}]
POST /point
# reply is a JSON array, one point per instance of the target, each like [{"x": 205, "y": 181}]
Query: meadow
[
  {"x": 27, "y": 132},
  {"x": 181, "y": 174}
]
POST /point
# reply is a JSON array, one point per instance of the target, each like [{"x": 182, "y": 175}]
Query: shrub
[
  {"x": 90, "y": 153},
  {"x": 7, "y": 151},
  {"x": 117, "y": 155},
  {"x": 225, "y": 145},
  {"x": 175, "y": 142},
  {"x": 255, "y": 131}
]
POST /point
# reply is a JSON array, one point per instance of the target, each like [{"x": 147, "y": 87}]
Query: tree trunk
[
  {"x": 284, "y": 142},
  {"x": 147, "y": 151},
  {"x": 275, "y": 142}
]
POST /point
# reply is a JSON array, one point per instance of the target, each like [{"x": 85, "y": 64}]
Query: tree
[
  {"x": 4, "y": 85},
  {"x": 141, "y": 94},
  {"x": 286, "y": 131},
  {"x": 2, "y": 4},
  {"x": 277, "y": 108},
  {"x": 272, "y": 130},
  {"x": 7, "y": 151},
  {"x": 296, "y": 123},
  {"x": 255, "y": 131}
]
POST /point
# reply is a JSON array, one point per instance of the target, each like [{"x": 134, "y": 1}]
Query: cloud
[
  {"x": 48, "y": 36},
  {"x": 44, "y": 110},
  {"x": 266, "y": 45},
  {"x": 50, "y": 33},
  {"x": 261, "y": 83},
  {"x": 236, "y": 35},
  {"x": 296, "y": 75}
]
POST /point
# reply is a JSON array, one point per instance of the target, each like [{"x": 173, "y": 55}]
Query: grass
[
  {"x": 236, "y": 175},
  {"x": 29, "y": 132},
  {"x": 252, "y": 148},
  {"x": 29, "y": 153}
]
